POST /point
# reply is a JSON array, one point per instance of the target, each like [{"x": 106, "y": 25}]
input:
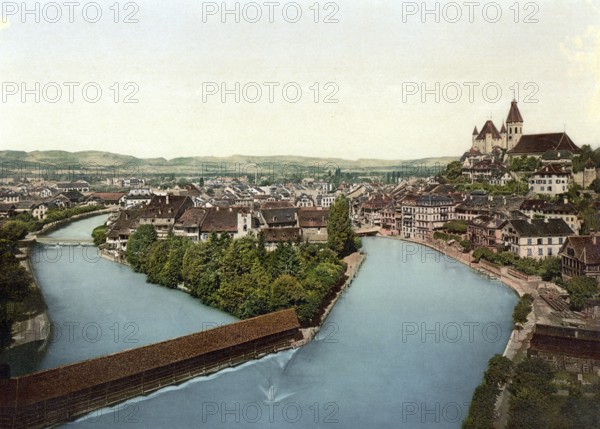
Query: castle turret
[
  {"x": 504, "y": 137},
  {"x": 515, "y": 125},
  {"x": 475, "y": 134}
]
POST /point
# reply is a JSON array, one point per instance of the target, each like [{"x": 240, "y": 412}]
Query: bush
[{"x": 456, "y": 226}]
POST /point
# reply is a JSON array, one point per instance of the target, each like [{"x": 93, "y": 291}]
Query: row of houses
[{"x": 277, "y": 221}]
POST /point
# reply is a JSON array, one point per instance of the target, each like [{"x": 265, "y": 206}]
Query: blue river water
[{"x": 404, "y": 347}]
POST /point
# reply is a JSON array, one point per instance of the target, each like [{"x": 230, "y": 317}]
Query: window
[
  {"x": 560, "y": 240},
  {"x": 540, "y": 252},
  {"x": 549, "y": 240},
  {"x": 529, "y": 241},
  {"x": 529, "y": 253},
  {"x": 539, "y": 241},
  {"x": 549, "y": 251}
]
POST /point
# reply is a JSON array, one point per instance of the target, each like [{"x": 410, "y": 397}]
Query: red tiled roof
[
  {"x": 311, "y": 218},
  {"x": 281, "y": 235},
  {"x": 87, "y": 374},
  {"x": 514, "y": 115},
  {"x": 166, "y": 206},
  {"x": 108, "y": 196},
  {"x": 585, "y": 247},
  {"x": 221, "y": 220},
  {"x": 488, "y": 128},
  {"x": 552, "y": 169},
  {"x": 540, "y": 143}
]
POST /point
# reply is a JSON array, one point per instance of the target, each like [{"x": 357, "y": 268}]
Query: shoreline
[
  {"x": 353, "y": 262},
  {"x": 37, "y": 328}
]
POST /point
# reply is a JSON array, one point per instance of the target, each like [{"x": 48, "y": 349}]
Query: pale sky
[{"x": 371, "y": 55}]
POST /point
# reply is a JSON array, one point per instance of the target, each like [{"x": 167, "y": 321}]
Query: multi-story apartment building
[
  {"x": 551, "y": 179},
  {"x": 421, "y": 215},
  {"x": 535, "y": 238}
]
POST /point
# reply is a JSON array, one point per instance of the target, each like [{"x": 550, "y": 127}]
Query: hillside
[{"x": 193, "y": 164}]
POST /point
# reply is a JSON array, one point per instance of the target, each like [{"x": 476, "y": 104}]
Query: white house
[
  {"x": 535, "y": 238},
  {"x": 551, "y": 179}
]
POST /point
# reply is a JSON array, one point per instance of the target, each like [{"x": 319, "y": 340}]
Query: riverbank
[
  {"x": 353, "y": 264},
  {"x": 35, "y": 327},
  {"x": 63, "y": 222}
]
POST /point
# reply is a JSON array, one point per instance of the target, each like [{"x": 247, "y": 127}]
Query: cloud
[
  {"x": 4, "y": 23},
  {"x": 583, "y": 53}
]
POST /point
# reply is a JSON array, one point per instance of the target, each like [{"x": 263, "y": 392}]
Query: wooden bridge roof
[{"x": 67, "y": 379}]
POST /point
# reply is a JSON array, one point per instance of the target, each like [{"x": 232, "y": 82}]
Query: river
[{"x": 405, "y": 346}]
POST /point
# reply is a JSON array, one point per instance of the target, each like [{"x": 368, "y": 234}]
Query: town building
[
  {"x": 486, "y": 231},
  {"x": 551, "y": 180},
  {"x": 535, "y": 238},
  {"x": 163, "y": 211},
  {"x": 580, "y": 257}
]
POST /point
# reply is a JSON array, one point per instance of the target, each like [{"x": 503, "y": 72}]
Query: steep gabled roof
[
  {"x": 586, "y": 248},
  {"x": 552, "y": 169},
  {"x": 540, "y": 143},
  {"x": 541, "y": 227},
  {"x": 312, "y": 218},
  {"x": 221, "y": 220},
  {"x": 193, "y": 217},
  {"x": 488, "y": 128},
  {"x": 514, "y": 115},
  {"x": 281, "y": 235}
]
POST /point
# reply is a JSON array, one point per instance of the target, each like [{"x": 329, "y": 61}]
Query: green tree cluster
[
  {"x": 582, "y": 291},
  {"x": 239, "y": 276},
  {"x": 15, "y": 284},
  {"x": 531, "y": 390},
  {"x": 340, "y": 236},
  {"x": 548, "y": 268},
  {"x": 522, "y": 310},
  {"x": 99, "y": 234},
  {"x": 481, "y": 411}
]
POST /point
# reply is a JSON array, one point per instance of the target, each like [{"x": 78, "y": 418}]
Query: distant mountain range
[{"x": 193, "y": 164}]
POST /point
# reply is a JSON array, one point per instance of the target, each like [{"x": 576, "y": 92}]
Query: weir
[
  {"x": 63, "y": 241},
  {"x": 62, "y": 394}
]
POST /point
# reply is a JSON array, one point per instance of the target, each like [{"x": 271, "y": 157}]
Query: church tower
[{"x": 514, "y": 122}]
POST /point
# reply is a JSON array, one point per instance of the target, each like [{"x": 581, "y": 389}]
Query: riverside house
[
  {"x": 535, "y": 238},
  {"x": 580, "y": 257},
  {"x": 163, "y": 211},
  {"x": 486, "y": 231}
]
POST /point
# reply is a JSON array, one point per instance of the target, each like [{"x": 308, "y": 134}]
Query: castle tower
[
  {"x": 475, "y": 134},
  {"x": 515, "y": 125},
  {"x": 504, "y": 137}
]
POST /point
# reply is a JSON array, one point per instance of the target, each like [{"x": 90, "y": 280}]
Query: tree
[
  {"x": 340, "y": 236},
  {"x": 581, "y": 290},
  {"x": 453, "y": 170},
  {"x": 138, "y": 244},
  {"x": 99, "y": 235},
  {"x": 14, "y": 279},
  {"x": 521, "y": 311},
  {"x": 286, "y": 292},
  {"x": 498, "y": 372}
]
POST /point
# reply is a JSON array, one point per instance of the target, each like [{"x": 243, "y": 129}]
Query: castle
[{"x": 508, "y": 136}]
